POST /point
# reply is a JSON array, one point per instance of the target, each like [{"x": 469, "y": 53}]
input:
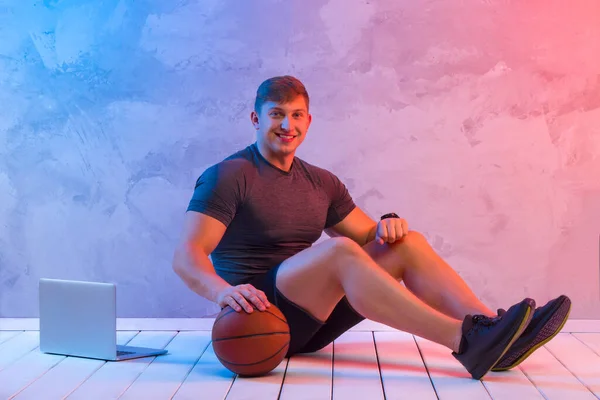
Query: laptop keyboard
[{"x": 124, "y": 353}]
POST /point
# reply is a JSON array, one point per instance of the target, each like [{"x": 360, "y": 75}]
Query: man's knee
[
  {"x": 342, "y": 244},
  {"x": 342, "y": 249},
  {"x": 414, "y": 238},
  {"x": 346, "y": 254}
]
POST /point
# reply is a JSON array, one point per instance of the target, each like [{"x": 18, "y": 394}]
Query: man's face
[{"x": 282, "y": 127}]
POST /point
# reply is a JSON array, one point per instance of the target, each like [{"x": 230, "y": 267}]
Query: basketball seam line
[
  {"x": 267, "y": 311},
  {"x": 276, "y": 316},
  {"x": 251, "y": 335},
  {"x": 227, "y": 313},
  {"x": 256, "y": 362}
]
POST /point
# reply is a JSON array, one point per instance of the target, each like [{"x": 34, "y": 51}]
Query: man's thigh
[
  {"x": 302, "y": 324},
  {"x": 343, "y": 316},
  {"x": 312, "y": 300},
  {"x": 310, "y": 280}
]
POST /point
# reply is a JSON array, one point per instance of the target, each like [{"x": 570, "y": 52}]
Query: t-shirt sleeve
[
  {"x": 218, "y": 193},
  {"x": 341, "y": 202}
]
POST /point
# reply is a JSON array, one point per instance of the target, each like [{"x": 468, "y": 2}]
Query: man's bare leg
[
  {"x": 412, "y": 260},
  {"x": 317, "y": 278}
]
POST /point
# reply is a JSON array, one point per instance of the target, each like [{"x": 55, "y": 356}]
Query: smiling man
[{"x": 258, "y": 213}]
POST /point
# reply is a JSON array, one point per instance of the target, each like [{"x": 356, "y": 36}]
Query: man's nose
[{"x": 285, "y": 124}]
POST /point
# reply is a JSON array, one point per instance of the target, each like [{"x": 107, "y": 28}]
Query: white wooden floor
[{"x": 368, "y": 362}]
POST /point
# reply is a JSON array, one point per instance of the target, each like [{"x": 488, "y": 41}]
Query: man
[{"x": 257, "y": 215}]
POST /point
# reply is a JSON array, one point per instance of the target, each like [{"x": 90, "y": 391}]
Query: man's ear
[{"x": 254, "y": 119}]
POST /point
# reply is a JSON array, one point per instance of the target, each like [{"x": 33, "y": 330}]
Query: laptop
[{"x": 79, "y": 319}]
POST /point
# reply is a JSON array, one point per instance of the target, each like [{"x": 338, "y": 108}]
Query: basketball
[{"x": 251, "y": 344}]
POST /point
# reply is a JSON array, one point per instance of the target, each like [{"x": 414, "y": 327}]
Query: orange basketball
[{"x": 251, "y": 344}]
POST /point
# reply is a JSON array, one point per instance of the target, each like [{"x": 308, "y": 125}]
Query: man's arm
[
  {"x": 201, "y": 236},
  {"x": 357, "y": 226}
]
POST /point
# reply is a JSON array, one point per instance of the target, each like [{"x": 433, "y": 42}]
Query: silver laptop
[{"x": 79, "y": 319}]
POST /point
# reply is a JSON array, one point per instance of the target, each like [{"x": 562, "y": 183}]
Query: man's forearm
[
  {"x": 371, "y": 235},
  {"x": 198, "y": 273}
]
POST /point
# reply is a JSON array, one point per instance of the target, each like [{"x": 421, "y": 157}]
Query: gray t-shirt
[{"x": 270, "y": 214}]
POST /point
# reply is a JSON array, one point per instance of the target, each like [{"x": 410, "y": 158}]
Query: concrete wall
[{"x": 477, "y": 121}]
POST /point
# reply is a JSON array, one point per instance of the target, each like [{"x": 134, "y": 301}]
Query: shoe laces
[{"x": 482, "y": 322}]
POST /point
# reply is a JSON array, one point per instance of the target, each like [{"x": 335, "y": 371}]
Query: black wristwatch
[{"x": 389, "y": 215}]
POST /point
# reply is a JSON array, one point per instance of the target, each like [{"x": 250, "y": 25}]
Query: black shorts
[{"x": 307, "y": 334}]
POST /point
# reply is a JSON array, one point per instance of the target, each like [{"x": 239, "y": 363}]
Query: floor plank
[
  {"x": 208, "y": 377},
  {"x": 579, "y": 359},
  {"x": 402, "y": 370},
  {"x": 592, "y": 340},
  {"x": 163, "y": 377},
  {"x": 568, "y": 367},
  {"x": 552, "y": 378},
  {"x": 511, "y": 385},
  {"x": 17, "y": 347},
  {"x": 5, "y": 335},
  {"x": 355, "y": 368},
  {"x": 309, "y": 376},
  {"x": 113, "y": 378},
  {"x": 63, "y": 377},
  {"x": 27, "y": 369},
  {"x": 265, "y": 387},
  {"x": 581, "y": 325},
  {"x": 450, "y": 379}
]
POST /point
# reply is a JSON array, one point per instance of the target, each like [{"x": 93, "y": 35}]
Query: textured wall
[{"x": 478, "y": 121}]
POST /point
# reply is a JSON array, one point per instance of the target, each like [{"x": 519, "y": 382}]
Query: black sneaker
[
  {"x": 547, "y": 321},
  {"x": 485, "y": 339}
]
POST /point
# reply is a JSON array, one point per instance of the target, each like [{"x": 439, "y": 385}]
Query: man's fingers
[
  {"x": 392, "y": 231},
  {"x": 242, "y": 302},
  {"x": 233, "y": 304},
  {"x": 258, "y": 297},
  {"x": 392, "y": 234},
  {"x": 382, "y": 233},
  {"x": 404, "y": 227},
  {"x": 254, "y": 299},
  {"x": 260, "y": 294},
  {"x": 399, "y": 230},
  {"x": 388, "y": 232},
  {"x": 263, "y": 297}
]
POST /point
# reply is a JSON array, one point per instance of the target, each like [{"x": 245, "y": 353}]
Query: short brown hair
[{"x": 279, "y": 89}]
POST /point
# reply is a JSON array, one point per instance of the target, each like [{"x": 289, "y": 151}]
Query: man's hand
[
  {"x": 243, "y": 296},
  {"x": 391, "y": 229}
]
